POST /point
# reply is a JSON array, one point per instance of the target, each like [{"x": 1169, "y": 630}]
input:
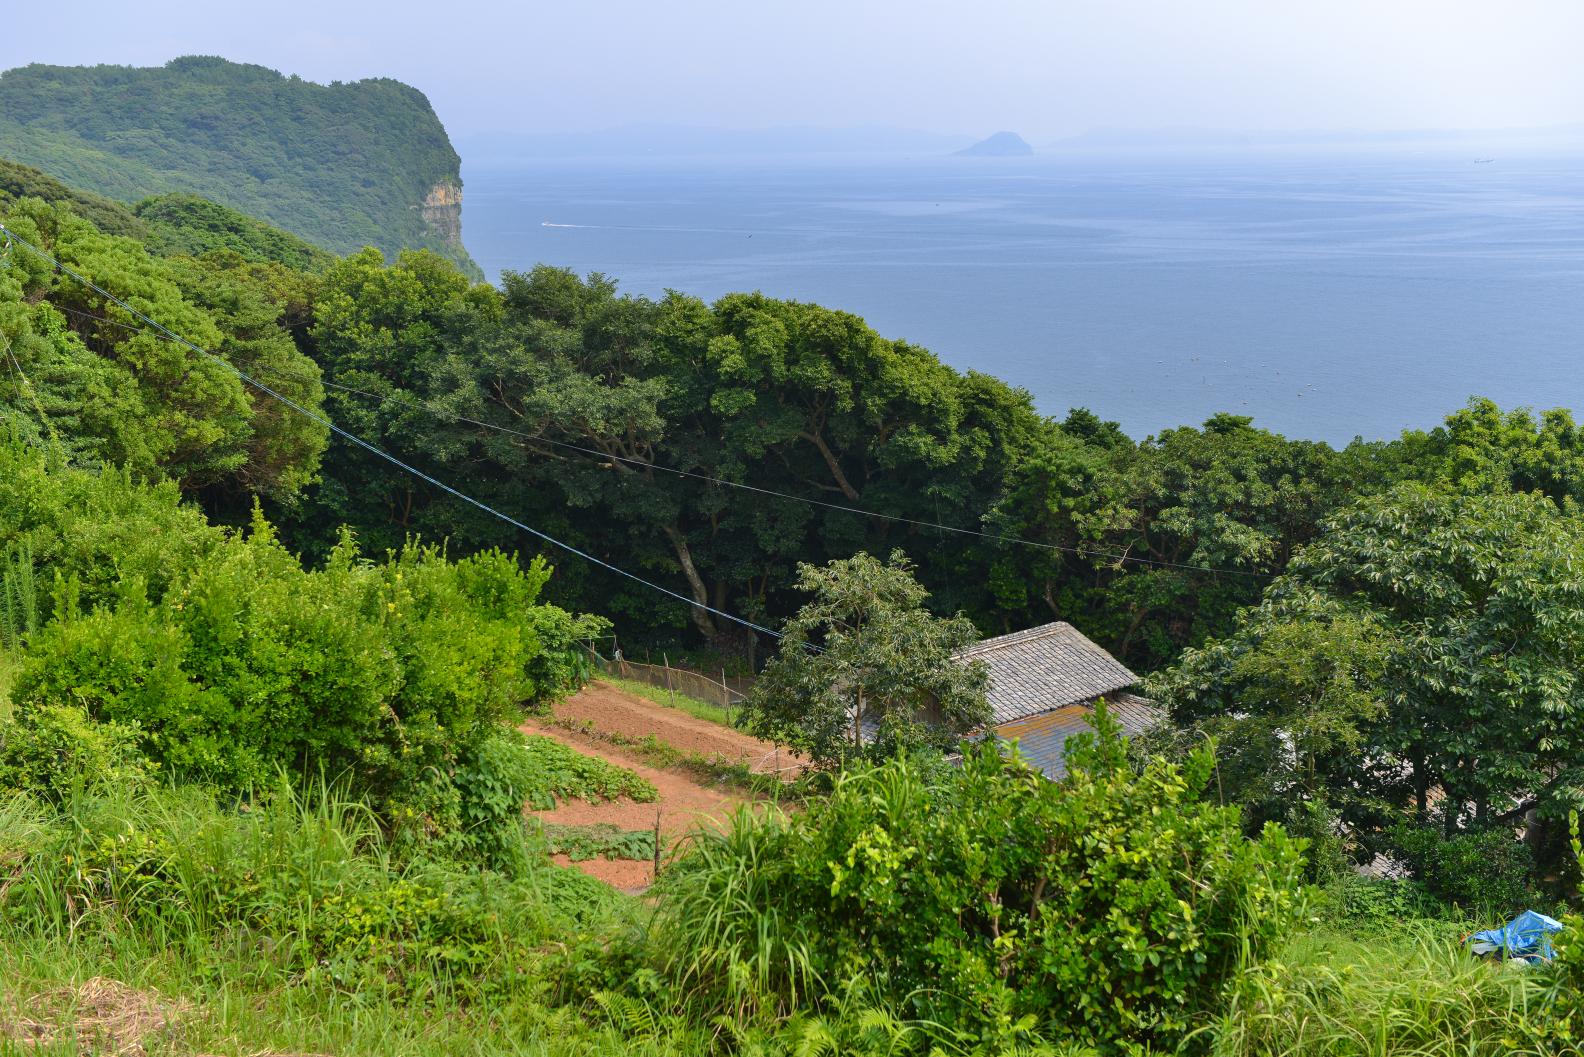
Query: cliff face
[{"x": 442, "y": 213}]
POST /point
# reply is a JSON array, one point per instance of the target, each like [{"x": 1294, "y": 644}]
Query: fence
[{"x": 726, "y": 692}]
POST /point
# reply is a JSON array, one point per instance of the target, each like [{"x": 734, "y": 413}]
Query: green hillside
[
  {"x": 171, "y": 225},
  {"x": 343, "y": 165},
  {"x": 191, "y": 224}
]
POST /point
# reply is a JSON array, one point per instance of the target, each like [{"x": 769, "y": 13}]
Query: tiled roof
[
  {"x": 1042, "y": 739},
  {"x": 1045, "y": 668}
]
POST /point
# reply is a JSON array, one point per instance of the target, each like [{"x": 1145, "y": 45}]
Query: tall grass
[
  {"x": 693, "y": 706},
  {"x": 1415, "y": 993},
  {"x": 720, "y": 928},
  {"x": 288, "y": 923},
  {"x": 9, "y": 663}
]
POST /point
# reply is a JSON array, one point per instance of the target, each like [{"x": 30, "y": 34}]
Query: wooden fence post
[{"x": 656, "y": 876}]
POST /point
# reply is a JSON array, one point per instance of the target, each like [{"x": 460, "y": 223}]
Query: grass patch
[
  {"x": 559, "y": 772},
  {"x": 670, "y": 699},
  {"x": 131, "y": 994},
  {"x": 1415, "y": 992}
]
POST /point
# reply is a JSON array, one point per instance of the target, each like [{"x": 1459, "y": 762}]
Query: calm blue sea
[{"x": 1327, "y": 298}]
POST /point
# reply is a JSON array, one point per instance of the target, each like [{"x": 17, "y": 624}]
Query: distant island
[
  {"x": 342, "y": 166},
  {"x": 1000, "y": 145}
]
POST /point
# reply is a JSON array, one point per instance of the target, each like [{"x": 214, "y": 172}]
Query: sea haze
[{"x": 1327, "y": 297}]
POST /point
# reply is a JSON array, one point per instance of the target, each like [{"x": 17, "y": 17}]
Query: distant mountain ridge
[{"x": 341, "y": 165}]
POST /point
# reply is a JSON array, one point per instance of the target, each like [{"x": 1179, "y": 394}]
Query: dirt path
[
  {"x": 614, "y": 711},
  {"x": 685, "y": 801}
]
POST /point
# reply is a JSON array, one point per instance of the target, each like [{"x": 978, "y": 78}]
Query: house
[{"x": 1044, "y": 682}]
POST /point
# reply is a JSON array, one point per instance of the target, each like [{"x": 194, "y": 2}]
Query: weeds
[
  {"x": 559, "y": 772},
  {"x": 1416, "y": 994}
]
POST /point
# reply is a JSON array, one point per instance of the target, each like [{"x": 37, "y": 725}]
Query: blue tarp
[{"x": 1526, "y": 936}]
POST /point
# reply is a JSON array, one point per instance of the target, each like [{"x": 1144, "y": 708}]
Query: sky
[{"x": 1045, "y": 68}]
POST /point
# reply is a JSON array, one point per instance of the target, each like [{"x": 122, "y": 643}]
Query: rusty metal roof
[
  {"x": 1045, "y": 668},
  {"x": 1042, "y": 739}
]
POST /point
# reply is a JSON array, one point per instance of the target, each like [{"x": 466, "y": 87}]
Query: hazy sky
[{"x": 1042, "y": 67}]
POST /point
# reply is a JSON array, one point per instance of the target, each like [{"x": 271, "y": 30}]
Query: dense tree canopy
[
  {"x": 87, "y": 376},
  {"x": 1423, "y": 654}
]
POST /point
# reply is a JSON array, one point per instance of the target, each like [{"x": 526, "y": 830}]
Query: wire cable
[
  {"x": 995, "y": 537},
  {"x": 380, "y": 452}
]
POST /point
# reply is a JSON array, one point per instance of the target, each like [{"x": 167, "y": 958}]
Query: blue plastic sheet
[{"x": 1526, "y": 936}]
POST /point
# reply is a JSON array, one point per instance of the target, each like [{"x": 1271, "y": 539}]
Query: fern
[{"x": 19, "y": 611}]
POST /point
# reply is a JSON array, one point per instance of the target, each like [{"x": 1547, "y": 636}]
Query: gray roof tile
[{"x": 1045, "y": 668}]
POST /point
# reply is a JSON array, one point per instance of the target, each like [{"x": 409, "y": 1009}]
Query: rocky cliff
[{"x": 442, "y": 213}]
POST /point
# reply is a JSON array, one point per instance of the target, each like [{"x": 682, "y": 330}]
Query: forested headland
[
  {"x": 260, "y": 689},
  {"x": 343, "y": 165}
]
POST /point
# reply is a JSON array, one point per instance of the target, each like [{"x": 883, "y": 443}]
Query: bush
[
  {"x": 1369, "y": 906},
  {"x": 1488, "y": 870},
  {"x": 246, "y": 663},
  {"x": 1110, "y": 908},
  {"x": 55, "y": 750}
]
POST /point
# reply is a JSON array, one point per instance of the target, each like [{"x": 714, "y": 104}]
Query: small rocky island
[{"x": 1000, "y": 145}]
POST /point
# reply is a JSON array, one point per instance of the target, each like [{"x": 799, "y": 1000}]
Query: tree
[
  {"x": 107, "y": 388},
  {"x": 865, "y": 669},
  {"x": 1437, "y": 638}
]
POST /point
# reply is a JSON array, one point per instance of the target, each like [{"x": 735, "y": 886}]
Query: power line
[
  {"x": 996, "y": 537},
  {"x": 353, "y": 438}
]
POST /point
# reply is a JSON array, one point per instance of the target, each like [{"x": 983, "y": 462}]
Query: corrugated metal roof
[
  {"x": 1045, "y": 668},
  {"x": 1042, "y": 739}
]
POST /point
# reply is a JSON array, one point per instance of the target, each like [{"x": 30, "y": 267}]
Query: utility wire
[
  {"x": 353, "y": 438},
  {"x": 996, "y": 537}
]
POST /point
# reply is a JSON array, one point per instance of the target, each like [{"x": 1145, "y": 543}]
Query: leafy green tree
[
  {"x": 1483, "y": 449},
  {"x": 1435, "y": 639},
  {"x": 1163, "y": 541},
  {"x": 91, "y": 378},
  {"x": 864, "y": 668}
]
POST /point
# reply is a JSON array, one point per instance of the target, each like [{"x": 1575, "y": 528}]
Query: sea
[{"x": 1329, "y": 296}]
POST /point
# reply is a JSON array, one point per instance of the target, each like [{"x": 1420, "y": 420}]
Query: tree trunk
[
  {"x": 701, "y": 618},
  {"x": 835, "y": 467}
]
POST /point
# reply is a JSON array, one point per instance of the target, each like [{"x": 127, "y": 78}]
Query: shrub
[
  {"x": 1110, "y": 908},
  {"x": 1480, "y": 870},
  {"x": 247, "y": 663},
  {"x": 1561, "y": 1030},
  {"x": 1369, "y": 906},
  {"x": 54, "y": 750}
]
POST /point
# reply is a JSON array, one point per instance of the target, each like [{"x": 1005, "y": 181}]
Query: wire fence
[{"x": 726, "y": 691}]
